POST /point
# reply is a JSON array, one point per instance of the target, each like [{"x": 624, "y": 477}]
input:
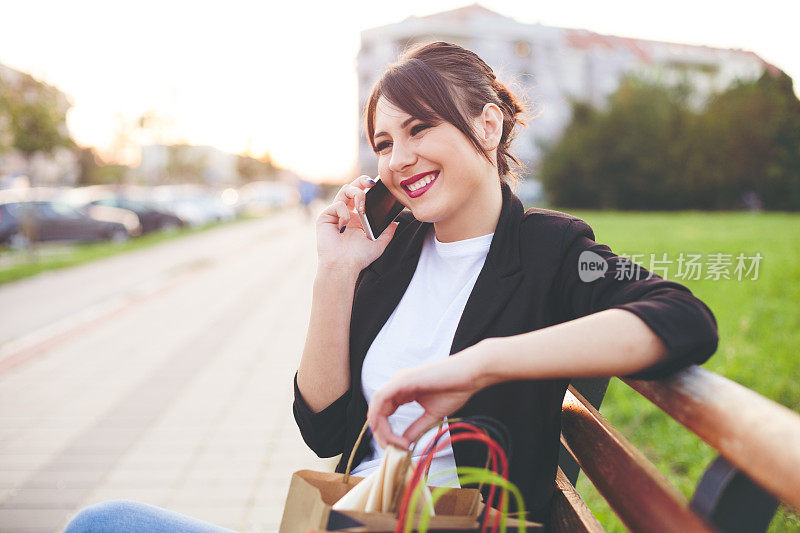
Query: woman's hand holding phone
[{"x": 350, "y": 248}]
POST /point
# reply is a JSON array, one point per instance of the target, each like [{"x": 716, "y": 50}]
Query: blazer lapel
[{"x": 498, "y": 279}]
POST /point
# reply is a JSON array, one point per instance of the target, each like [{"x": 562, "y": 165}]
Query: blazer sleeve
[
  {"x": 683, "y": 322},
  {"x": 323, "y": 432}
]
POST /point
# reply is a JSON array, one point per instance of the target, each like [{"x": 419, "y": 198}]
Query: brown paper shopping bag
[{"x": 312, "y": 495}]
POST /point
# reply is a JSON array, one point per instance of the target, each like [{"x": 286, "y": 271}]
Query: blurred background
[{"x": 162, "y": 163}]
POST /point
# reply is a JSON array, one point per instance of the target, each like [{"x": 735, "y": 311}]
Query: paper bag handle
[
  {"x": 361, "y": 436},
  {"x": 353, "y": 452}
]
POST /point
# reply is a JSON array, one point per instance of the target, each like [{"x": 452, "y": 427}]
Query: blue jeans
[{"x": 128, "y": 516}]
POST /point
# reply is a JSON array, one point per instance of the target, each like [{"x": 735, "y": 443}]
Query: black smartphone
[{"x": 380, "y": 209}]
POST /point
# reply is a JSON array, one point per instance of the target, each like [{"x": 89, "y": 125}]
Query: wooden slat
[
  {"x": 759, "y": 436},
  {"x": 640, "y": 495},
  {"x": 569, "y": 512}
]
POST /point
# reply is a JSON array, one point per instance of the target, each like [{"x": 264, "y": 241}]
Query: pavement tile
[
  {"x": 29, "y": 498},
  {"x": 231, "y": 517},
  {"x": 11, "y": 479},
  {"x": 25, "y": 520},
  {"x": 152, "y": 495},
  {"x": 203, "y": 496},
  {"x": 48, "y": 479}
]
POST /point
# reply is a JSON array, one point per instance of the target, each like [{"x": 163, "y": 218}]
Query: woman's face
[{"x": 409, "y": 148}]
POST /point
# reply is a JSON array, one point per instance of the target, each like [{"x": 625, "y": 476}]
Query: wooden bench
[{"x": 758, "y": 465}]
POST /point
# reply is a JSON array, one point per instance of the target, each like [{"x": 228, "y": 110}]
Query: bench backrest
[{"x": 758, "y": 464}]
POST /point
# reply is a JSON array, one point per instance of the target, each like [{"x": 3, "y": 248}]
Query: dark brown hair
[{"x": 442, "y": 81}]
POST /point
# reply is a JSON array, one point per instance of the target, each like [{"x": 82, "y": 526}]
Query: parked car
[
  {"x": 53, "y": 221},
  {"x": 260, "y": 197},
  {"x": 193, "y": 205},
  {"x": 216, "y": 210},
  {"x": 187, "y": 211},
  {"x": 151, "y": 219},
  {"x": 114, "y": 214}
]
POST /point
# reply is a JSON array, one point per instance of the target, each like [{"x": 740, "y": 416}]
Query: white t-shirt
[{"x": 421, "y": 330}]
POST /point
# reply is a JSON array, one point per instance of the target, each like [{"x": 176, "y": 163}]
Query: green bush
[{"x": 651, "y": 149}]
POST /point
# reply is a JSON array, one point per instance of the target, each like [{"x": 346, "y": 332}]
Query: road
[{"x": 162, "y": 375}]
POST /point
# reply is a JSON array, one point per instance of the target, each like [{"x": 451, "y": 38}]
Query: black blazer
[{"x": 529, "y": 281}]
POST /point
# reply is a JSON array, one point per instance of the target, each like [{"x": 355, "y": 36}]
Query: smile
[{"x": 417, "y": 185}]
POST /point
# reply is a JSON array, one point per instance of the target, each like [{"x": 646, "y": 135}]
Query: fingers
[
  {"x": 363, "y": 180},
  {"x": 388, "y": 233},
  {"x": 382, "y": 431},
  {"x": 336, "y": 213},
  {"x": 354, "y": 192},
  {"x": 352, "y": 196},
  {"x": 380, "y": 408},
  {"x": 418, "y": 427},
  {"x": 384, "y": 403}
]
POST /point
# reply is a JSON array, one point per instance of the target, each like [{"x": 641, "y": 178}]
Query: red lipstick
[{"x": 413, "y": 179}]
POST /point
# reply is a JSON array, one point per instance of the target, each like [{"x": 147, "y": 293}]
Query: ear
[{"x": 490, "y": 126}]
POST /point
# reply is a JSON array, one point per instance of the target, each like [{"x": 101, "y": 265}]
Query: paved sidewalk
[
  {"x": 103, "y": 280},
  {"x": 181, "y": 399}
]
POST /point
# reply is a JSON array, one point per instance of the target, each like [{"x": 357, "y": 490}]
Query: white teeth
[{"x": 422, "y": 182}]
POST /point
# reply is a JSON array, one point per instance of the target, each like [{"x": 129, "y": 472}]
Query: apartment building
[{"x": 549, "y": 66}]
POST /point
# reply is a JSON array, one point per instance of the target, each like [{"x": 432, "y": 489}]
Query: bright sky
[{"x": 280, "y": 77}]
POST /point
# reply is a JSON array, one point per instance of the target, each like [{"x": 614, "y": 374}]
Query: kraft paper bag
[{"x": 312, "y": 494}]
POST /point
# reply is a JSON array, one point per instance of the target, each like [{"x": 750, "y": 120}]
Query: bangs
[{"x": 420, "y": 91}]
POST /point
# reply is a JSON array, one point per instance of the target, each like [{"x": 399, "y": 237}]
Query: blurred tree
[
  {"x": 567, "y": 172},
  {"x": 33, "y": 117},
  {"x": 254, "y": 169},
  {"x": 87, "y": 164},
  {"x": 93, "y": 171},
  {"x": 621, "y": 157},
  {"x": 650, "y": 150},
  {"x": 750, "y": 136},
  {"x": 6, "y": 135},
  {"x": 185, "y": 164}
]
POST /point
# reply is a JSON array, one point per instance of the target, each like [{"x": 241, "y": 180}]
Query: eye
[
  {"x": 382, "y": 146},
  {"x": 418, "y": 128},
  {"x": 415, "y": 130}
]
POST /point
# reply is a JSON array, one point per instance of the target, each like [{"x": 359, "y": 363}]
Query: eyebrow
[{"x": 406, "y": 123}]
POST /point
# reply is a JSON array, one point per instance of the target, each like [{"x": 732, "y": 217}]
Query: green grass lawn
[
  {"x": 18, "y": 264},
  {"x": 758, "y": 327}
]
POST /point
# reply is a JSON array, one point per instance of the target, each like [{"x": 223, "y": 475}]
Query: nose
[{"x": 402, "y": 157}]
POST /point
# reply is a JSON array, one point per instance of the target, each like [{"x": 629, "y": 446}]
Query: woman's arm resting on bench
[{"x": 611, "y": 342}]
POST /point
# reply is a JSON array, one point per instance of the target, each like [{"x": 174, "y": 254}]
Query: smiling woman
[{"x": 468, "y": 305}]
